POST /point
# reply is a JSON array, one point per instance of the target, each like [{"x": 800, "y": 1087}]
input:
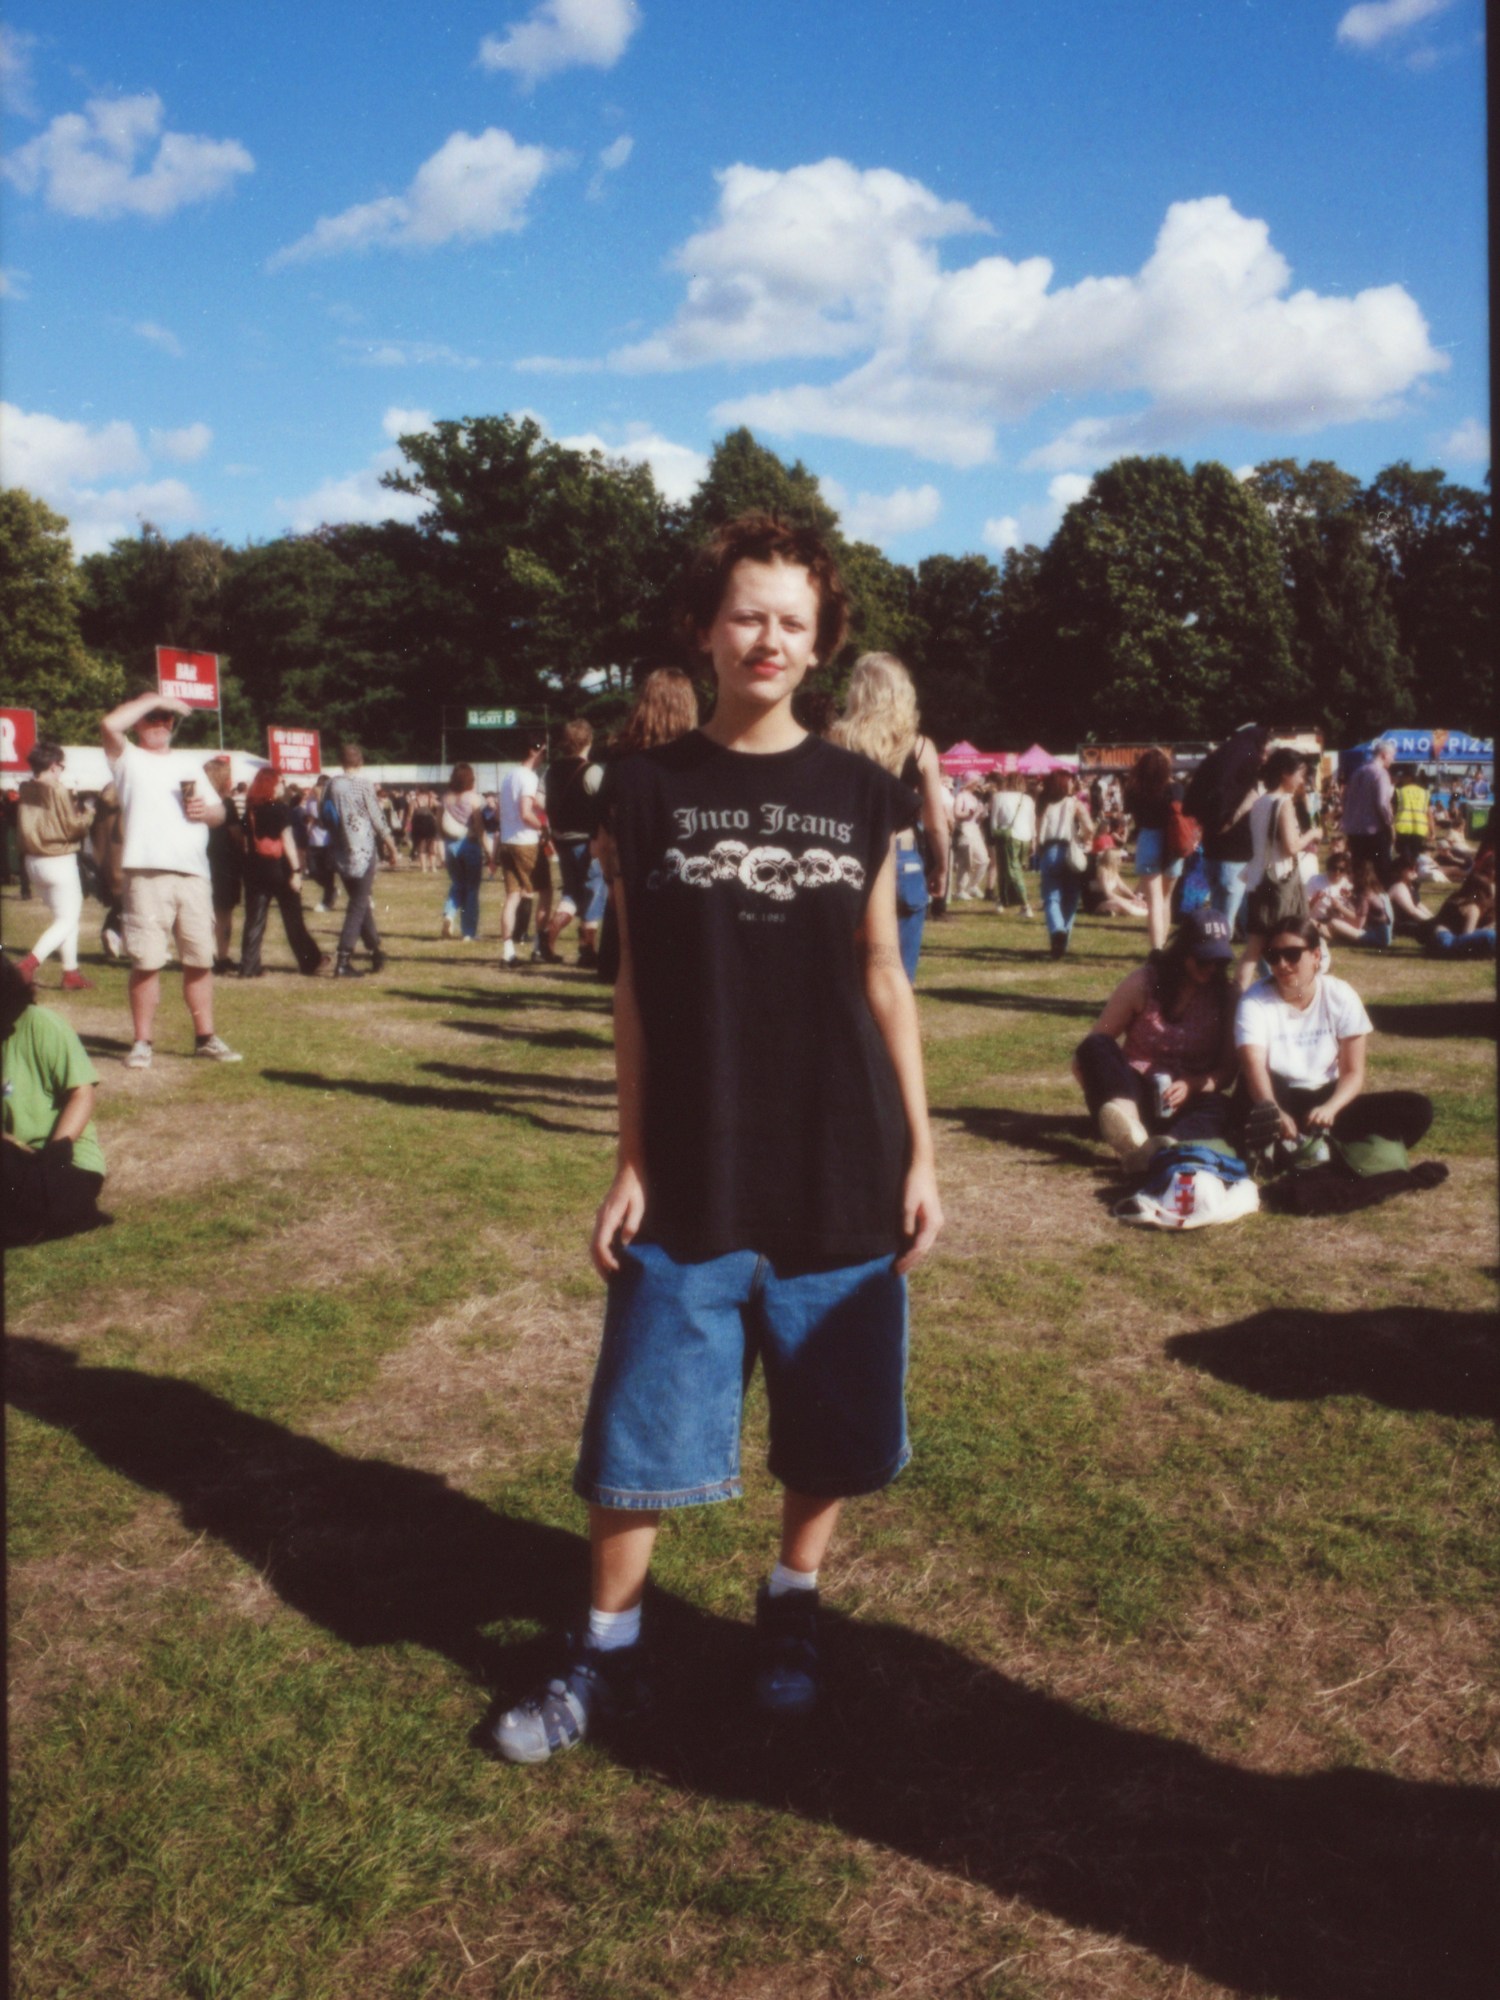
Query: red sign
[
  {"x": 295, "y": 751},
  {"x": 192, "y": 677},
  {"x": 17, "y": 738}
]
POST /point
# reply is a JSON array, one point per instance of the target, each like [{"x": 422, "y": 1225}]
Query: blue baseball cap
[{"x": 1209, "y": 934}]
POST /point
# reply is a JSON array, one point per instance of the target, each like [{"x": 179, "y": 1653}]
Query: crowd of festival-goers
[{"x": 1257, "y": 851}]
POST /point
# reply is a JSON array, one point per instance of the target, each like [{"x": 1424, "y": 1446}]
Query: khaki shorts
[
  {"x": 518, "y": 866},
  {"x": 160, "y": 905}
]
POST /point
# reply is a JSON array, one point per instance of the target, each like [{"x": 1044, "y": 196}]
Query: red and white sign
[
  {"x": 297, "y": 752},
  {"x": 17, "y": 738},
  {"x": 192, "y": 677}
]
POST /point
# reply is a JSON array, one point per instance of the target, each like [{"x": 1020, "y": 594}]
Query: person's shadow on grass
[
  {"x": 1405, "y": 1357},
  {"x": 1340, "y": 1882}
]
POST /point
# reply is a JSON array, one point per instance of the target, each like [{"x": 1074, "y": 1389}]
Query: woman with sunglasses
[{"x": 1301, "y": 1036}]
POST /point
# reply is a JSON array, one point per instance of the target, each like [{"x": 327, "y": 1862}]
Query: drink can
[
  {"x": 1161, "y": 1083},
  {"x": 189, "y": 786}
]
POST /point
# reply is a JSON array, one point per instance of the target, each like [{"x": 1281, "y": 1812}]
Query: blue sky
[{"x": 953, "y": 255}]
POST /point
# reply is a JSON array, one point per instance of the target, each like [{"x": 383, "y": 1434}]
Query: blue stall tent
[
  {"x": 1444, "y": 751},
  {"x": 1435, "y": 746}
]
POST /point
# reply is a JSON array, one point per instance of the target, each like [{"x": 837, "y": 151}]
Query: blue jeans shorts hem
[
  {"x": 814, "y": 1490},
  {"x": 1151, "y": 854},
  {"x": 681, "y": 1341},
  {"x": 655, "y": 1503}
]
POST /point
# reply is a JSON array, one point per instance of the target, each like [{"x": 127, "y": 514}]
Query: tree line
[{"x": 1172, "y": 602}]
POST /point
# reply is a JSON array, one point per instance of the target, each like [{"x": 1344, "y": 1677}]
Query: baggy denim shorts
[{"x": 680, "y": 1344}]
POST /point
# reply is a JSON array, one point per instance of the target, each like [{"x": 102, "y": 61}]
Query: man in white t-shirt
[
  {"x": 520, "y": 838},
  {"x": 165, "y": 815}
]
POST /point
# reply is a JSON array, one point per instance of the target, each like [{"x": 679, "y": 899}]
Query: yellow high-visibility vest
[{"x": 1411, "y": 811}]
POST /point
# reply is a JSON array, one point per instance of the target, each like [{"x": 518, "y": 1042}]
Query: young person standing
[
  {"x": 520, "y": 841},
  {"x": 774, "y": 1178}
]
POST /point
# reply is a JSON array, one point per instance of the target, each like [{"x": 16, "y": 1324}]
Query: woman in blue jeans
[
  {"x": 464, "y": 853},
  {"x": 880, "y": 721},
  {"x": 1065, "y": 821}
]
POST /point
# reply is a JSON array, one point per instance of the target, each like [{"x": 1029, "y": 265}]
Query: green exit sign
[{"x": 492, "y": 718}]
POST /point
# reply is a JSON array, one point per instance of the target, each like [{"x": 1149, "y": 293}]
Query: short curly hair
[{"x": 765, "y": 538}]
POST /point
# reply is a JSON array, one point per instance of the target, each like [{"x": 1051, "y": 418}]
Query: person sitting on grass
[
  {"x": 1465, "y": 925},
  {"x": 1301, "y": 1037},
  {"x": 1171, "y": 1017},
  {"x": 1330, "y": 899},
  {"x": 54, "y": 1167},
  {"x": 775, "y": 1173},
  {"x": 1104, "y": 890}
]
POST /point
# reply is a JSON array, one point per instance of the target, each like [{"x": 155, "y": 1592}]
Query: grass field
[{"x": 1168, "y": 1668}]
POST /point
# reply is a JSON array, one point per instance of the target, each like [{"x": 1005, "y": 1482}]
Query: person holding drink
[{"x": 165, "y": 818}]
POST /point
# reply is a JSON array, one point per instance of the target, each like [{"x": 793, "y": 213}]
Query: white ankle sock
[
  {"x": 611, "y": 1630},
  {"x": 784, "y": 1579}
]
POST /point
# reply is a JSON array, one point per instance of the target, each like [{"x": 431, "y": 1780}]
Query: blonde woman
[{"x": 880, "y": 721}]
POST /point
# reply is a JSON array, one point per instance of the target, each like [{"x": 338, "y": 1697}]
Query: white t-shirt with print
[
  {"x": 157, "y": 832},
  {"x": 1301, "y": 1045}
]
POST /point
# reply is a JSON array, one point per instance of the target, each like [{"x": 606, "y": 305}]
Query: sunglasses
[{"x": 1284, "y": 954}]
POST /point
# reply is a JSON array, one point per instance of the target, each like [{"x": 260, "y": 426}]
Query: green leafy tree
[
  {"x": 146, "y": 591},
  {"x": 883, "y": 618},
  {"x": 548, "y": 563},
  {"x": 1352, "y": 676},
  {"x": 1161, "y": 595},
  {"x": 745, "y": 477},
  {"x": 956, "y": 609},
  {"x": 1432, "y": 540},
  {"x": 46, "y": 663}
]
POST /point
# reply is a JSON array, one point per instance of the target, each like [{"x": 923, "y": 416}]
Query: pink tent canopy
[
  {"x": 964, "y": 760},
  {"x": 1035, "y": 761}
]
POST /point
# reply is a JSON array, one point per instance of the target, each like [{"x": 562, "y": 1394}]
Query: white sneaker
[
  {"x": 139, "y": 1057},
  {"x": 447, "y": 929},
  {"x": 507, "y": 954},
  {"x": 218, "y": 1050},
  {"x": 1121, "y": 1129}
]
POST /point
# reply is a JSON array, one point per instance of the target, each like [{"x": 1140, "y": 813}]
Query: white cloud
[
  {"x": 1468, "y": 445},
  {"x": 883, "y": 517},
  {"x": 182, "y": 446},
  {"x": 562, "y": 34},
  {"x": 359, "y": 496},
  {"x": 556, "y": 364},
  {"x": 1366, "y": 26},
  {"x": 824, "y": 261},
  {"x": 70, "y": 465},
  {"x": 17, "y": 91},
  {"x": 820, "y": 260},
  {"x": 473, "y": 187},
  {"x": 354, "y": 497},
  {"x": 86, "y": 162},
  {"x": 15, "y": 285},
  {"x": 677, "y": 469},
  {"x": 878, "y": 404},
  {"x": 397, "y": 423},
  {"x": 47, "y": 455},
  {"x": 159, "y": 336},
  {"x": 611, "y": 160},
  {"x": 1038, "y": 523},
  {"x": 406, "y": 354}
]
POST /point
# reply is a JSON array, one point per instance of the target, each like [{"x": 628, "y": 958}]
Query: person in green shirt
[{"x": 54, "y": 1166}]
